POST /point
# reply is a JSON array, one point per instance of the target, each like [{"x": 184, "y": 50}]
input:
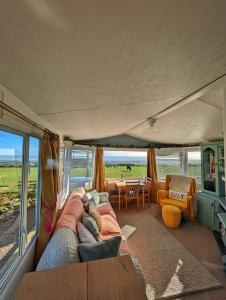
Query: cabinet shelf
[{"x": 222, "y": 217}]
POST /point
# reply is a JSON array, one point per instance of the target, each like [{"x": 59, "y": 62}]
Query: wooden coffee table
[{"x": 111, "y": 278}]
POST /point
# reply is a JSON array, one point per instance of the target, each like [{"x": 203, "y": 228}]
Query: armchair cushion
[{"x": 180, "y": 204}]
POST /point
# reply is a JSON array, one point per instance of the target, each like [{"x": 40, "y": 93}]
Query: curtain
[
  {"x": 50, "y": 149},
  {"x": 99, "y": 173},
  {"x": 152, "y": 172}
]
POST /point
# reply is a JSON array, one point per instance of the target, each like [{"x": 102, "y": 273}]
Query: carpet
[
  {"x": 128, "y": 230},
  {"x": 170, "y": 269}
]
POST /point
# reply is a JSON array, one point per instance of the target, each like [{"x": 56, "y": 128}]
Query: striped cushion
[{"x": 109, "y": 225}]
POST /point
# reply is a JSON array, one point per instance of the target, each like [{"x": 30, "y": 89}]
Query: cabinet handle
[{"x": 212, "y": 204}]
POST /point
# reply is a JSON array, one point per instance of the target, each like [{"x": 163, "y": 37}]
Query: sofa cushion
[
  {"x": 109, "y": 225},
  {"x": 61, "y": 250},
  {"x": 85, "y": 236},
  {"x": 99, "y": 250},
  {"x": 106, "y": 209},
  {"x": 95, "y": 197},
  {"x": 91, "y": 225},
  {"x": 104, "y": 197},
  {"x": 87, "y": 197},
  {"x": 79, "y": 191},
  {"x": 72, "y": 213},
  {"x": 94, "y": 212}
]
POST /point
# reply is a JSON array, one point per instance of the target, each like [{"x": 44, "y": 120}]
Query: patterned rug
[
  {"x": 171, "y": 270},
  {"x": 175, "y": 270},
  {"x": 128, "y": 230}
]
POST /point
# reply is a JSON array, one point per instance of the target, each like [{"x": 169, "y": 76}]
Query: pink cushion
[
  {"x": 109, "y": 225},
  {"x": 124, "y": 247},
  {"x": 106, "y": 209},
  {"x": 72, "y": 213},
  {"x": 85, "y": 236}
]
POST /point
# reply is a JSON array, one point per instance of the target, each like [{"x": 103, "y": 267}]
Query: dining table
[{"x": 123, "y": 185}]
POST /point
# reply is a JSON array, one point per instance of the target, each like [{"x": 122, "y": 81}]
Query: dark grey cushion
[
  {"x": 99, "y": 250},
  {"x": 91, "y": 225}
]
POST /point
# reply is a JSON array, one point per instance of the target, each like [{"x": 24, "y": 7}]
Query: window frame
[
  {"x": 183, "y": 156},
  {"x": 23, "y": 248},
  {"x": 80, "y": 148},
  {"x": 112, "y": 179}
]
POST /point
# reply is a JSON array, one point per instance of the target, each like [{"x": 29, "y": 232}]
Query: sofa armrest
[
  {"x": 104, "y": 197},
  {"x": 162, "y": 194}
]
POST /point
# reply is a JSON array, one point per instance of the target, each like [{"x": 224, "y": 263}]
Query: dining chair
[
  {"x": 113, "y": 192},
  {"x": 131, "y": 193},
  {"x": 146, "y": 194}
]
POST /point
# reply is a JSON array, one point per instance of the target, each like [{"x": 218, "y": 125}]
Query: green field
[
  {"x": 10, "y": 176},
  {"x": 140, "y": 171}
]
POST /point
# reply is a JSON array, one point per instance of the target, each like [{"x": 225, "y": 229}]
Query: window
[
  {"x": 33, "y": 188},
  {"x": 61, "y": 169},
  {"x": 168, "y": 163},
  {"x": 19, "y": 195},
  {"x": 194, "y": 165},
  {"x": 82, "y": 167},
  {"x": 185, "y": 161},
  {"x": 125, "y": 164}
]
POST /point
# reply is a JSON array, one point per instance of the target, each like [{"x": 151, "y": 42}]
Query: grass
[
  {"x": 10, "y": 176},
  {"x": 139, "y": 171}
]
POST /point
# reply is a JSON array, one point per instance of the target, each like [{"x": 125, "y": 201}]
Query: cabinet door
[
  {"x": 205, "y": 211},
  {"x": 210, "y": 169}
]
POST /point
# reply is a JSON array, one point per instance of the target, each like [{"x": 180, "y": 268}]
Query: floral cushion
[{"x": 94, "y": 212}]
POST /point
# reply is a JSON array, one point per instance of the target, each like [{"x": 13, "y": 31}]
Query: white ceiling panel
[
  {"x": 193, "y": 123},
  {"x": 105, "y": 66}
]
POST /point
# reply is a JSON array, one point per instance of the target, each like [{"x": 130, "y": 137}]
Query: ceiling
[{"x": 94, "y": 69}]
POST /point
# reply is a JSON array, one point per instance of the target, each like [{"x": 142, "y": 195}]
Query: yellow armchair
[{"x": 186, "y": 205}]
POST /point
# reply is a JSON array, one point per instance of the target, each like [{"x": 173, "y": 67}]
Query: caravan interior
[{"x": 112, "y": 146}]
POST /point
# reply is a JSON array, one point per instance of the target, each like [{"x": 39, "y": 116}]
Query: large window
[
  {"x": 181, "y": 161},
  {"x": 168, "y": 163},
  {"x": 125, "y": 164},
  {"x": 82, "y": 167},
  {"x": 19, "y": 196},
  {"x": 194, "y": 165}
]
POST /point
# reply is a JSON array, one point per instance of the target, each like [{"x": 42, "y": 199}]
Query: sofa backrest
[{"x": 72, "y": 213}]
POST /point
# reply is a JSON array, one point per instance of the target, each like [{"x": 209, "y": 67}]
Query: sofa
[{"x": 62, "y": 248}]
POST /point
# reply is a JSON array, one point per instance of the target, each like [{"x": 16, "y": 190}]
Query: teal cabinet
[
  {"x": 205, "y": 209},
  {"x": 212, "y": 161}
]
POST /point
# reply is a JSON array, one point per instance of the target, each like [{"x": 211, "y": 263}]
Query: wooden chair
[
  {"x": 131, "y": 193},
  {"x": 146, "y": 191},
  {"x": 113, "y": 192}
]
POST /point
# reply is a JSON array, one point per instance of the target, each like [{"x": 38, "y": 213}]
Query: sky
[
  {"x": 194, "y": 155},
  {"x": 12, "y": 144},
  {"x": 125, "y": 153}
]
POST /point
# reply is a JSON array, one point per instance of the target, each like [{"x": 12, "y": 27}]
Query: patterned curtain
[
  {"x": 99, "y": 173},
  {"x": 50, "y": 149},
  {"x": 152, "y": 172}
]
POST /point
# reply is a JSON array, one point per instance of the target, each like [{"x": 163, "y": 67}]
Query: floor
[{"x": 198, "y": 239}]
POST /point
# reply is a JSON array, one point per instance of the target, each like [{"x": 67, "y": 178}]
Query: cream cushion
[
  {"x": 78, "y": 191},
  {"x": 177, "y": 195}
]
